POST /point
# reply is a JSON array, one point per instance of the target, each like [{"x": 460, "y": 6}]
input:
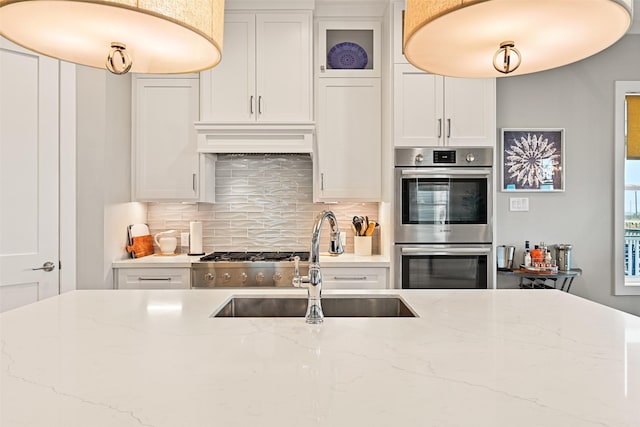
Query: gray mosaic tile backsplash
[{"x": 263, "y": 202}]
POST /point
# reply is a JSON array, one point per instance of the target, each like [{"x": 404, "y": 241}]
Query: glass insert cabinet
[{"x": 348, "y": 49}]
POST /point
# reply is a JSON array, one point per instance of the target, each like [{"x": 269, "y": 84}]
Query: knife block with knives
[{"x": 363, "y": 230}]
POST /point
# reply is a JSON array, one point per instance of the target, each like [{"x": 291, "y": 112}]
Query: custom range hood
[{"x": 262, "y": 138}]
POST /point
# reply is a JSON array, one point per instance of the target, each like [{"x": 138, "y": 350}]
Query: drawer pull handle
[
  {"x": 163, "y": 279},
  {"x": 349, "y": 277}
]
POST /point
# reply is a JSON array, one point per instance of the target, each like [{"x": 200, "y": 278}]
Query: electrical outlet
[{"x": 519, "y": 204}]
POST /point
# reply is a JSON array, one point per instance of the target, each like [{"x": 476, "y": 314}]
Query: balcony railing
[{"x": 632, "y": 252}]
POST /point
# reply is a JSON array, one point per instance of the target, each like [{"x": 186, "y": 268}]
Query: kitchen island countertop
[{"x": 480, "y": 358}]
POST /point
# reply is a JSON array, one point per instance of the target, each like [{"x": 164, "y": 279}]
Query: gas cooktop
[
  {"x": 247, "y": 269},
  {"x": 254, "y": 256}
]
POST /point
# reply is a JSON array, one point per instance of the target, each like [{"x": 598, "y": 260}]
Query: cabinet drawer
[
  {"x": 354, "y": 278},
  {"x": 152, "y": 278}
]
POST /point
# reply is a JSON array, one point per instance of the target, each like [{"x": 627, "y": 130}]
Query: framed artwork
[{"x": 532, "y": 160}]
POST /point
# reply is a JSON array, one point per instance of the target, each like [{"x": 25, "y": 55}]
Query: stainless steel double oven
[{"x": 443, "y": 218}]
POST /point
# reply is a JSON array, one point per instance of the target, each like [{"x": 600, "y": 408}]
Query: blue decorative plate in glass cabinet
[{"x": 347, "y": 55}]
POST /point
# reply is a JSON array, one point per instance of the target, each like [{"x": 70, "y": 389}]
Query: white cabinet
[
  {"x": 398, "y": 13},
  {"x": 265, "y": 74},
  {"x": 348, "y": 164},
  {"x": 431, "y": 110},
  {"x": 348, "y": 113},
  {"x": 354, "y": 278},
  {"x": 152, "y": 278},
  {"x": 349, "y": 49},
  {"x": 165, "y": 162}
]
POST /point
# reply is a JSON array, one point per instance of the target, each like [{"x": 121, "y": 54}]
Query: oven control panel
[
  {"x": 439, "y": 157},
  {"x": 448, "y": 156}
]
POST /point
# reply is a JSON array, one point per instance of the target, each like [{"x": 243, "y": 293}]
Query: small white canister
[{"x": 362, "y": 245}]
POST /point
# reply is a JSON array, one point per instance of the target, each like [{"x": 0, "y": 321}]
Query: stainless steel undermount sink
[{"x": 333, "y": 306}]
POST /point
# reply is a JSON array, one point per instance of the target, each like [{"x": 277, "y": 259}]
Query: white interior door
[{"x": 29, "y": 141}]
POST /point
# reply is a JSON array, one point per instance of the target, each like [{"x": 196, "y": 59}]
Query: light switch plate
[{"x": 519, "y": 204}]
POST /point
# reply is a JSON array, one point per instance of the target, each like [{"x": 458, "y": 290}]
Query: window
[{"x": 627, "y": 189}]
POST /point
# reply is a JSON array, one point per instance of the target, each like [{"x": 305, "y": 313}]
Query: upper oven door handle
[
  {"x": 445, "y": 251},
  {"x": 407, "y": 173}
]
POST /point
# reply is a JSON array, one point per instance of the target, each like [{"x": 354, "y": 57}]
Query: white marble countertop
[
  {"x": 156, "y": 260},
  {"x": 479, "y": 358},
  {"x": 344, "y": 260}
]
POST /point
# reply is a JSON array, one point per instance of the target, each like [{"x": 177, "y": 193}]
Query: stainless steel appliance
[
  {"x": 247, "y": 269},
  {"x": 563, "y": 253},
  {"x": 443, "y": 218},
  {"x": 504, "y": 257},
  {"x": 443, "y": 195},
  {"x": 440, "y": 266}
]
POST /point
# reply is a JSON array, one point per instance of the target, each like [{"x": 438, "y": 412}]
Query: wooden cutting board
[
  {"x": 142, "y": 246},
  {"x": 140, "y": 241}
]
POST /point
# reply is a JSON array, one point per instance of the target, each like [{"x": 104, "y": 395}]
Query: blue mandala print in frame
[{"x": 532, "y": 160}]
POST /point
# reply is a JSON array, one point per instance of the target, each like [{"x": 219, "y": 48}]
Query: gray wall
[
  {"x": 103, "y": 170},
  {"x": 579, "y": 98}
]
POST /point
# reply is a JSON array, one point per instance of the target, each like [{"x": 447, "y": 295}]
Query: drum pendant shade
[
  {"x": 160, "y": 36},
  {"x": 460, "y": 38}
]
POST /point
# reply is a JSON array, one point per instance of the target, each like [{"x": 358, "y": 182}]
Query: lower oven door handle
[{"x": 447, "y": 251}]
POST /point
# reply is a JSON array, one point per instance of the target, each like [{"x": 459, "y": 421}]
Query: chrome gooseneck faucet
[{"x": 313, "y": 282}]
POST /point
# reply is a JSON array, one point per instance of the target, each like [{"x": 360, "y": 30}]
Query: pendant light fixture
[
  {"x": 493, "y": 38},
  {"x": 510, "y": 57},
  {"x": 142, "y": 36}
]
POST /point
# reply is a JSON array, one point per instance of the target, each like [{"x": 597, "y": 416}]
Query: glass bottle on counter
[
  {"x": 536, "y": 254},
  {"x": 527, "y": 254}
]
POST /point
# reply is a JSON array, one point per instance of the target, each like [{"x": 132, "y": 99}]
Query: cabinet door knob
[
  {"x": 439, "y": 128},
  {"x": 448, "y": 128},
  {"x": 251, "y": 105}
]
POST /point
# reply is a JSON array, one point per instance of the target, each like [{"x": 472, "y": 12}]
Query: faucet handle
[{"x": 296, "y": 266}]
